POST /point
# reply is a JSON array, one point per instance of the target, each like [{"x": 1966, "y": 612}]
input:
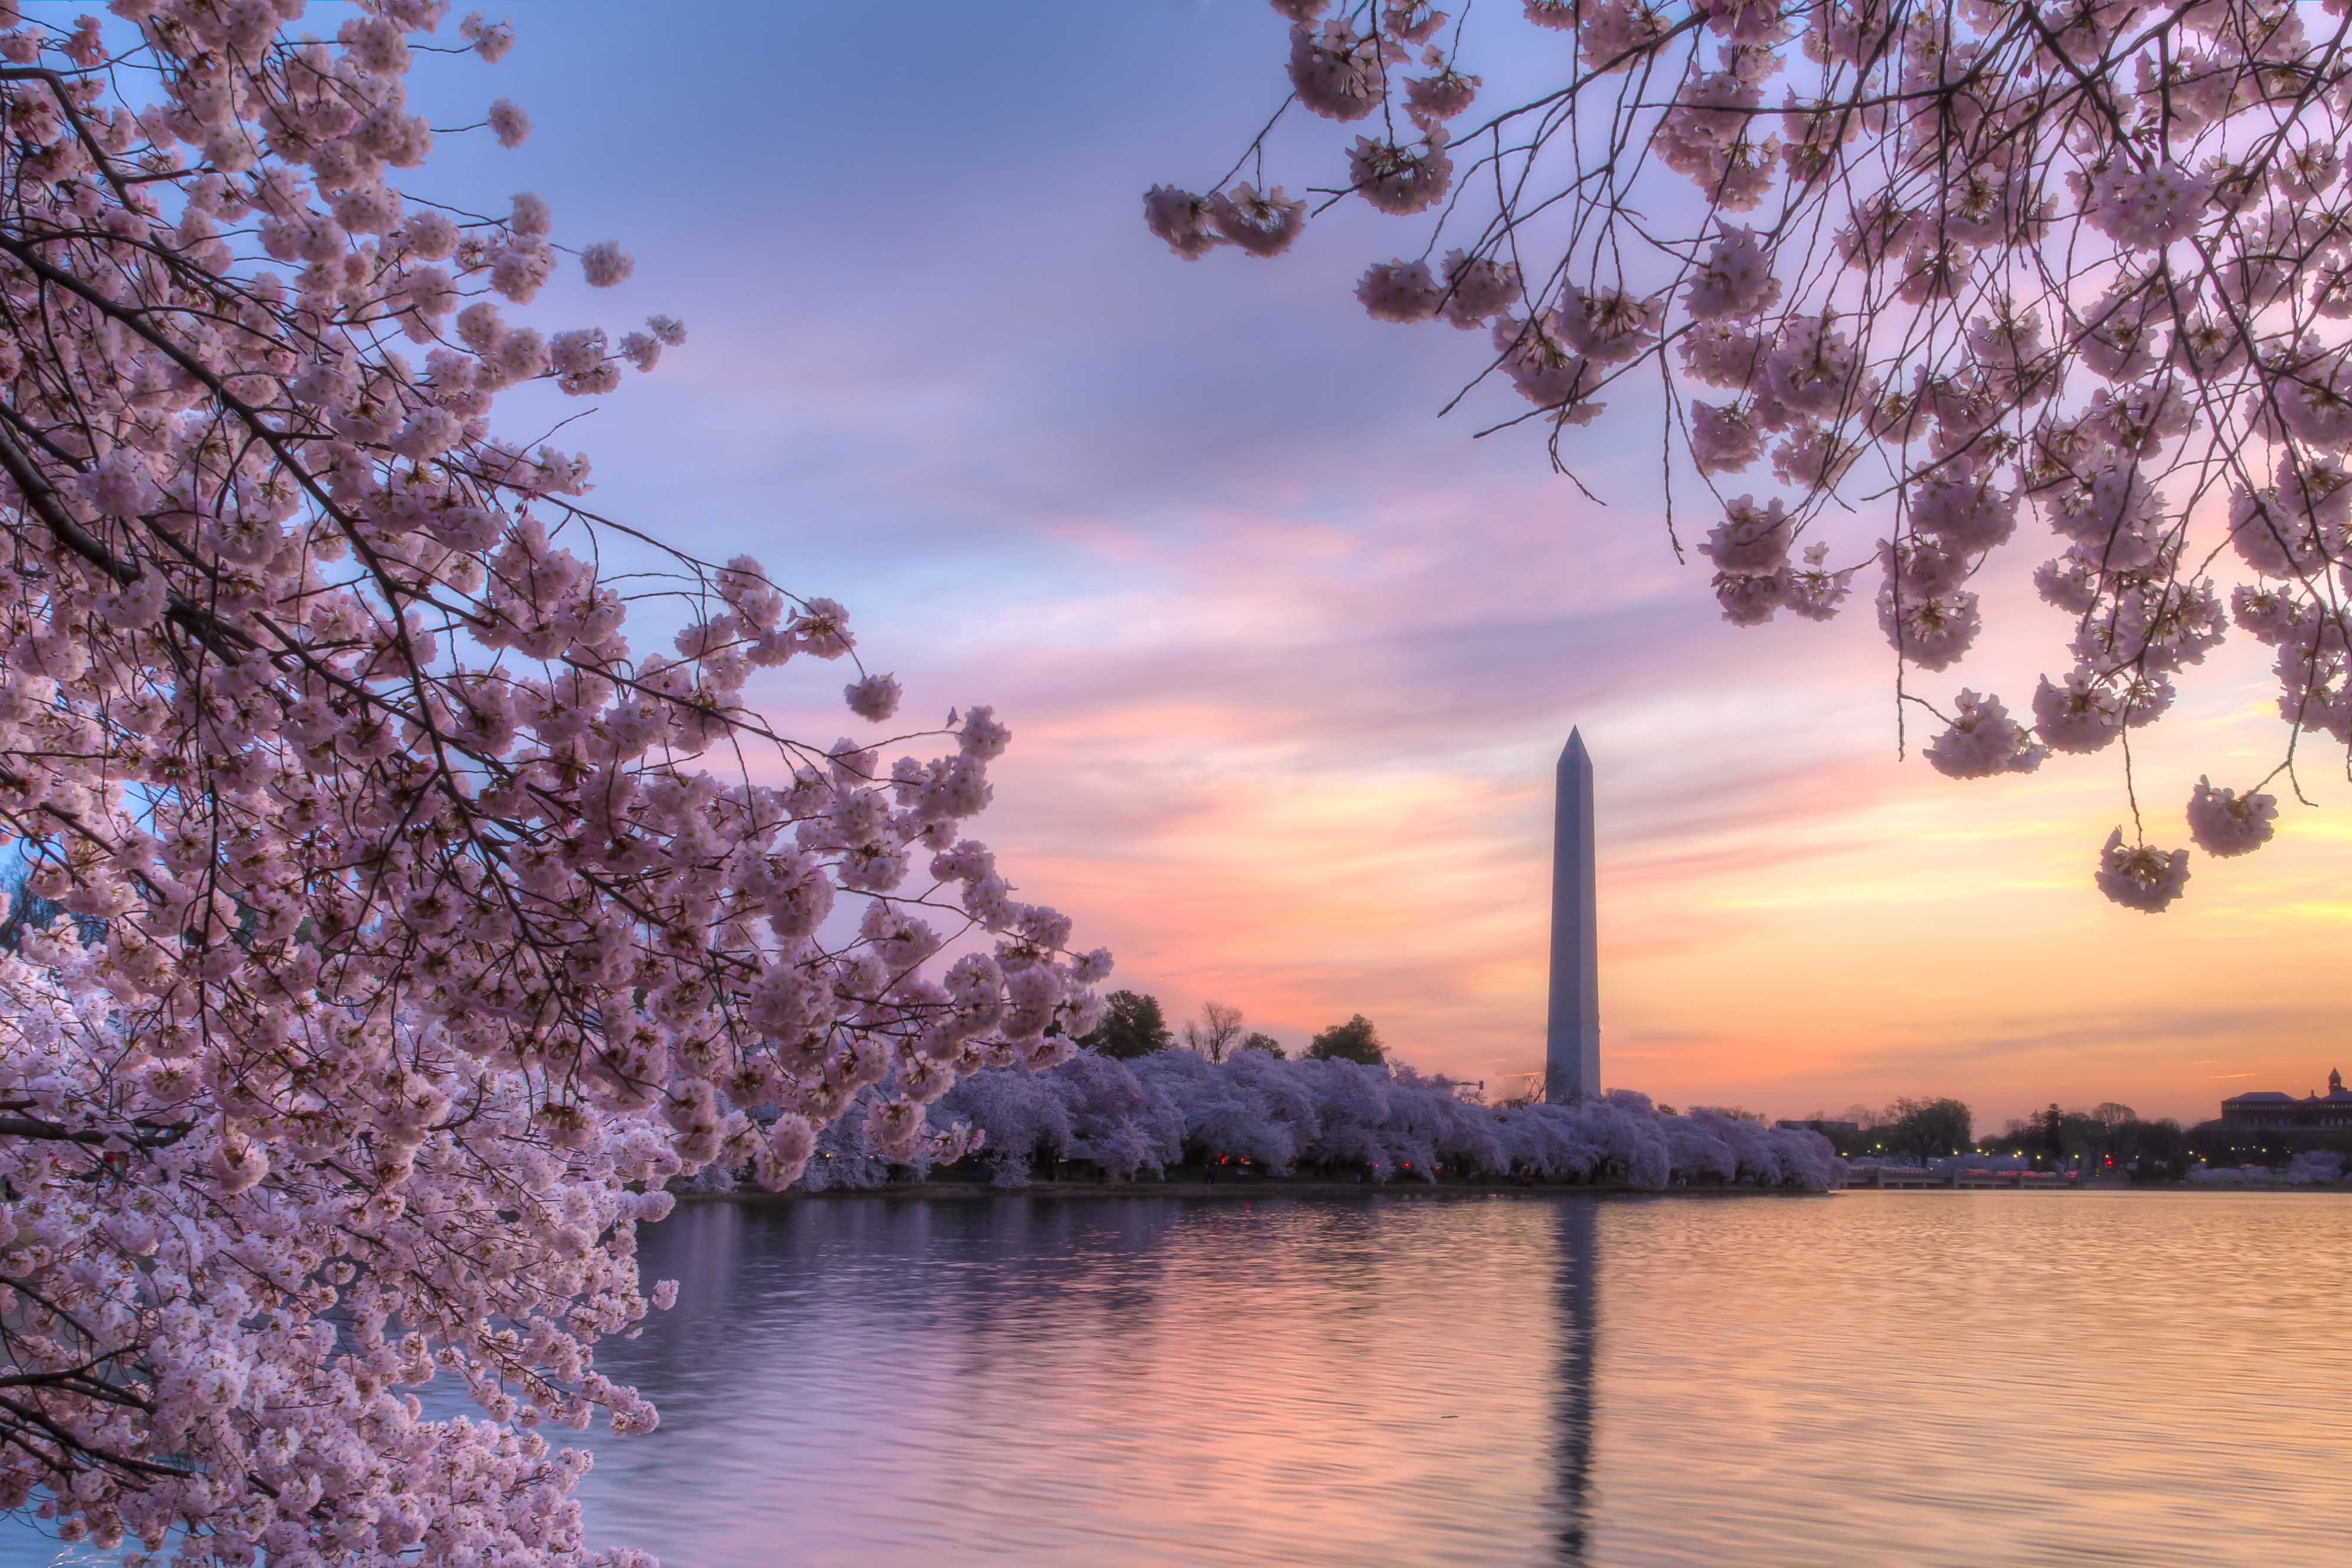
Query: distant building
[{"x": 2267, "y": 1109}]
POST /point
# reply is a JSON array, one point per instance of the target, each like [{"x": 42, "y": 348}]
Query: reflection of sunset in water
[{"x": 1939, "y": 1379}]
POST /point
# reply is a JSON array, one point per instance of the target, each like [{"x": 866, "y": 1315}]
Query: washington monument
[{"x": 1572, "y": 1033}]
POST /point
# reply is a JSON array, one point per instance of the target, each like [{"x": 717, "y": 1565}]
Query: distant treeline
[
  {"x": 2110, "y": 1135},
  {"x": 1134, "y": 1025}
]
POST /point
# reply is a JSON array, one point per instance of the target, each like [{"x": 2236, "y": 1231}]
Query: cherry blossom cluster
[
  {"x": 429, "y": 894},
  {"x": 1140, "y": 1117},
  {"x": 1942, "y": 267}
]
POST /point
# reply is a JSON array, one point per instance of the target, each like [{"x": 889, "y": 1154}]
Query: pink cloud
[{"x": 1287, "y": 660}]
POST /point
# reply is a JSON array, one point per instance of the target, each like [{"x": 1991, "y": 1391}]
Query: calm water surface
[
  {"x": 1929, "y": 1378},
  {"x": 1971, "y": 1379}
]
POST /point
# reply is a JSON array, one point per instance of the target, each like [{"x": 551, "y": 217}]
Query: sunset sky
[{"x": 1288, "y": 660}]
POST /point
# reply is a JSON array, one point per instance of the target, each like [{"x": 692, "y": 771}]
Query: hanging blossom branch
[
  {"x": 404, "y": 930},
  {"x": 1925, "y": 264}
]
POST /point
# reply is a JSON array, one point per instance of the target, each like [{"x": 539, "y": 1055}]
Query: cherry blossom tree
[
  {"x": 1904, "y": 274},
  {"x": 413, "y": 915},
  {"x": 1139, "y": 1117}
]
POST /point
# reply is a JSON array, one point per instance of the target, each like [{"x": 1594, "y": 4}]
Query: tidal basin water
[
  {"x": 1983, "y": 1380},
  {"x": 1896, "y": 1378}
]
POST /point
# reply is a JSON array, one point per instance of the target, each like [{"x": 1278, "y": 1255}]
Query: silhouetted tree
[
  {"x": 1265, "y": 1042},
  {"x": 2148, "y": 1151},
  {"x": 1925, "y": 1129},
  {"x": 1133, "y": 1026},
  {"x": 1355, "y": 1041},
  {"x": 2154, "y": 1151},
  {"x": 1216, "y": 1032}
]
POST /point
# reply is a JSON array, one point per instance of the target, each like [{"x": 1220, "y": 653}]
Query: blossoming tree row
[{"x": 1142, "y": 1117}]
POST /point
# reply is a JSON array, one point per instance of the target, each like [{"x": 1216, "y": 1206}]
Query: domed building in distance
[{"x": 2268, "y": 1110}]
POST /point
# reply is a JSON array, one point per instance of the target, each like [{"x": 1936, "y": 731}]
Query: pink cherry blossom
[
  {"x": 1180, "y": 220},
  {"x": 605, "y": 263},
  {"x": 1983, "y": 740},
  {"x": 1337, "y": 72},
  {"x": 1750, "y": 599},
  {"x": 1932, "y": 632},
  {"x": 874, "y": 698},
  {"x": 1444, "y": 94},
  {"x": 1725, "y": 439},
  {"x": 1752, "y": 540},
  {"x": 1479, "y": 288},
  {"x": 2140, "y": 877},
  {"x": 2080, "y": 713},
  {"x": 2226, "y": 823},
  {"x": 1951, "y": 301},
  {"x": 1735, "y": 281},
  {"x": 1410, "y": 21},
  {"x": 510, "y": 124},
  {"x": 425, "y": 914},
  {"x": 1260, "y": 225},
  {"x": 1399, "y": 291},
  {"x": 1400, "y": 179}
]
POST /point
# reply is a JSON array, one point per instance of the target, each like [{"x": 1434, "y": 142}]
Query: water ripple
[
  {"x": 1932, "y": 1379},
  {"x": 1902, "y": 1380}
]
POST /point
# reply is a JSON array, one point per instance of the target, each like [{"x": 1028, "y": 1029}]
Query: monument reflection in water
[
  {"x": 1944, "y": 1380},
  {"x": 1577, "y": 1283}
]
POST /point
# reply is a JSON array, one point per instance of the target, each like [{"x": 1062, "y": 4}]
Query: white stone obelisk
[{"x": 1572, "y": 1033}]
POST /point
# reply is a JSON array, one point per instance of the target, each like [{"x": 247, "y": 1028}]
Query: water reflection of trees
[
  {"x": 954, "y": 1272},
  {"x": 822, "y": 1349}
]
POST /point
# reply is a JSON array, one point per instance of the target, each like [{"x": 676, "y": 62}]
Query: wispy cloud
[{"x": 1287, "y": 660}]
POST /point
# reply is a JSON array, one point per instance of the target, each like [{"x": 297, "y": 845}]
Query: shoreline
[
  {"x": 1231, "y": 1191},
  {"x": 1244, "y": 1191}
]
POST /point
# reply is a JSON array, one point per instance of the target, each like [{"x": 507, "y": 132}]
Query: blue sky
[{"x": 1286, "y": 658}]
